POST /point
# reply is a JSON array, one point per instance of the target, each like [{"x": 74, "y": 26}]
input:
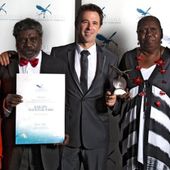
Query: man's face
[
  {"x": 88, "y": 27},
  {"x": 28, "y": 43}
]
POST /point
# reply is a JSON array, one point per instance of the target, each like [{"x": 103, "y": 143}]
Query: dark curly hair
[{"x": 26, "y": 24}]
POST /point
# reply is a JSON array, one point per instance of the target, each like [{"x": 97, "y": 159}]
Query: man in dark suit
[
  {"x": 87, "y": 113},
  {"x": 28, "y": 35}
]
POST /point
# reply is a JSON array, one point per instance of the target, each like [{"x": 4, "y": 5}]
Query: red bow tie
[{"x": 24, "y": 62}]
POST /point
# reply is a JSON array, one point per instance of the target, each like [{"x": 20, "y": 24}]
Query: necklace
[{"x": 160, "y": 64}]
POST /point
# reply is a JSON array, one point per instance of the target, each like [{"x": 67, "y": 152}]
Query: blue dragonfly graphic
[
  {"x": 103, "y": 12},
  {"x": 2, "y": 9},
  {"x": 43, "y": 10},
  {"x": 106, "y": 41},
  {"x": 39, "y": 86},
  {"x": 141, "y": 11}
]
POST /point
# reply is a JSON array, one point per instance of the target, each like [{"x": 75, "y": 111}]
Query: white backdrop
[
  {"x": 119, "y": 31},
  {"x": 56, "y": 16},
  {"x": 121, "y": 17}
]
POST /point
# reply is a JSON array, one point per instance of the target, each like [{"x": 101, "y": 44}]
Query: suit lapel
[
  {"x": 71, "y": 61},
  {"x": 43, "y": 62},
  {"x": 101, "y": 60},
  {"x": 13, "y": 67}
]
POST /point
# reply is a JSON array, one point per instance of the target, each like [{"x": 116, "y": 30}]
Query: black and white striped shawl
[{"x": 156, "y": 95}]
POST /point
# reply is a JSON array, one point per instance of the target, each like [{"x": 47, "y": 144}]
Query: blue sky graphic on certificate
[{"x": 30, "y": 137}]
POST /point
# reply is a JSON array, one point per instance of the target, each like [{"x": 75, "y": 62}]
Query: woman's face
[{"x": 149, "y": 34}]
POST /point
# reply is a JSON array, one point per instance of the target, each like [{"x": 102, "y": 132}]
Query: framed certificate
[{"x": 40, "y": 117}]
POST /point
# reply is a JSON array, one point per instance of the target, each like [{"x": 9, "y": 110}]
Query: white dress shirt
[
  {"x": 92, "y": 62},
  {"x": 27, "y": 69}
]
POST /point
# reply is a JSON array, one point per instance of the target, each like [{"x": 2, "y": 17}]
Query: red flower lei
[
  {"x": 139, "y": 80},
  {"x": 160, "y": 63}
]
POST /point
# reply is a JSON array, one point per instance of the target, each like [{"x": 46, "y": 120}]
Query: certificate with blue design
[{"x": 40, "y": 117}]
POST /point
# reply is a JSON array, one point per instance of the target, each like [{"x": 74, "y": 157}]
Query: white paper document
[{"x": 40, "y": 117}]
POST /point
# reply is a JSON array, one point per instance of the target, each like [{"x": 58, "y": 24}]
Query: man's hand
[
  {"x": 4, "y": 57},
  {"x": 110, "y": 99},
  {"x": 12, "y": 100},
  {"x": 66, "y": 140}
]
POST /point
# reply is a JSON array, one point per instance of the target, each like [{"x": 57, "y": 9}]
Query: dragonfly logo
[
  {"x": 43, "y": 10},
  {"x": 143, "y": 12},
  {"x": 106, "y": 41},
  {"x": 2, "y": 9},
  {"x": 39, "y": 86},
  {"x": 104, "y": 15}
]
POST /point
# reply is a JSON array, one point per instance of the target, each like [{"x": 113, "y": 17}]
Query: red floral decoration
[
  {"x": 138, "y": 80},
  {"x": 162, "y": 71},
  {"x": 138, "y": 68},
  {"x": 158, "y": 103},
  {"x": 142, "y": 93},
  {"x": 160, "y": 62},
  {"x": 162, "y": 93}
]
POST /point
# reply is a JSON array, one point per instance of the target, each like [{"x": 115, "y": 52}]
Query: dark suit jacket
[
  {"x": 8, "y": 85},
  {"x": 87, "y": 118}
]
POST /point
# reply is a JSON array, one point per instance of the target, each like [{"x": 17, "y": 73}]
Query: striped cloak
[{"x": 155, "y": 94}]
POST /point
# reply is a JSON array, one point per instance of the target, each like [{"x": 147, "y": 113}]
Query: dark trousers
[
  {"x": 92, "y": 159},
  {"x": 26, "y": 158}
]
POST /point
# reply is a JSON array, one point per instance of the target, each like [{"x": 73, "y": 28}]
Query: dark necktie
[
  {"x": 24, "y": 62},
  {"x": 84, "y": 70}
]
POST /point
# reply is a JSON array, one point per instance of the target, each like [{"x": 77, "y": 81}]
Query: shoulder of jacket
[
  {"x": 130, "y": 53},
  {"x": 64, "y": 46}
]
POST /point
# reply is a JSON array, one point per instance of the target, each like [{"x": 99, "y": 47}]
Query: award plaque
[{"x": 119, "y": 82}]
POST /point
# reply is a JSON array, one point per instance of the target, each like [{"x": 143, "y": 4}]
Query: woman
[
  {"x": 145, "y": 117},
  {"x": 0, "y": 138},
  {"x": 0, "y": 146}
]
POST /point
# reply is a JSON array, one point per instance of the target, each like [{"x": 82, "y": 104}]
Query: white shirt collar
[
  {"x": 29, "y": 69},
  {"x": 92, "y": 60},
  {"x": 92, "y": 49}
]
